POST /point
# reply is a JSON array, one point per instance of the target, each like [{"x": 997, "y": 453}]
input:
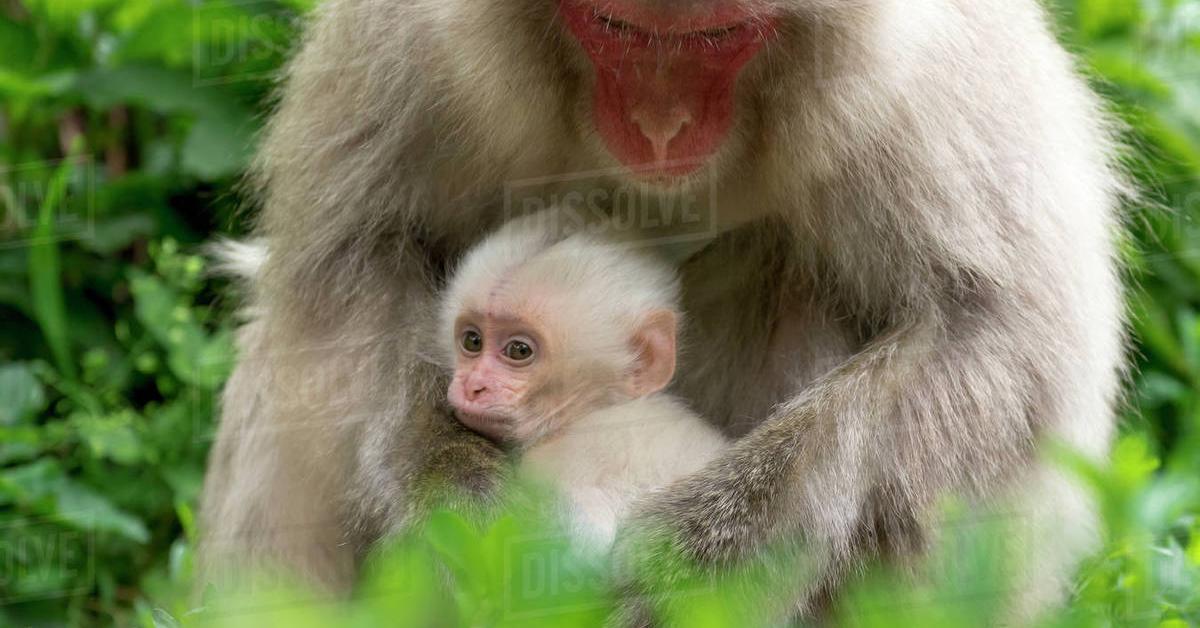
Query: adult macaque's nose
[{"x": 660, "y": 127}]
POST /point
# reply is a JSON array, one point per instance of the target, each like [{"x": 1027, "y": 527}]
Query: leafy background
[{"x": 123, "y": 127}]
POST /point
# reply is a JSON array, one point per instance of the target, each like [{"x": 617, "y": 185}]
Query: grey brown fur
[{"x": 914, "y": 283}]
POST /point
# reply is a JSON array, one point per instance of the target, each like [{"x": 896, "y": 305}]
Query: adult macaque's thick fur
[{"x": 913, "y": 285}]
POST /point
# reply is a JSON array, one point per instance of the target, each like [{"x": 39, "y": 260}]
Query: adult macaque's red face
[{"x": 664, "y": 90}]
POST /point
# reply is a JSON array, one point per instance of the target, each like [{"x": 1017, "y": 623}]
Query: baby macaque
[{"x": 562, "y": 346}]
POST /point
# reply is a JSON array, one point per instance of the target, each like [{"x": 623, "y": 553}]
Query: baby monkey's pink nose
[{"x": 474, "y": 387}]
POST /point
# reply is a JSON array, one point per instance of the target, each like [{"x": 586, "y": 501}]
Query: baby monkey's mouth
[
  {"x": 490, "y": 424},
  {"x": 489, "y": 417}
]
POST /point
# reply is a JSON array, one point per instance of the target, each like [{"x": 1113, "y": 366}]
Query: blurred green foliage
[{"x": 123, "y": 127}]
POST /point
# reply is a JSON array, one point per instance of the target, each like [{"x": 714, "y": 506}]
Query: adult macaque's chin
[{"x": 663, "y": 99}]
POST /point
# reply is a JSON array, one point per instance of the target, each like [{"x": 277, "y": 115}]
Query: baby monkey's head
[{"x": 540, "y": 330}]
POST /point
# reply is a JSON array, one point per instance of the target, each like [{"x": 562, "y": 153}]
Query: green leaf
[
  {"x": 193, "y": 355},
  {"x": 1121, "y": 67},
  {"x": 1193, "y": 549},
  {"x": 218, "y": 145},
  {"x": 1156, "y": 331},
  {"x": 163, "y": 35},
  {"x": 458, "y": 542},
  {"x": 19, "y": 444},
  {"x": 221, "y": 137},
  {"x": 164, "y": 619},
  {"x": 45, "y": 274},
  {"x": 83, "y": 508},
  {"x": 44, "y": 486},
  {"x": 1102, "y": 17},
  {"x": 21, "y": 394},
  {"x": 160, "y": 89},
  {"x": 1157, "y": 388},
  {"x": 1132, "y": 460},
  {"x": 65, "y": 14},
  {"x": 18, "y": 85},
  {"x": 111, "y": 437},
  {"x": 110, "y": 235},
  {"x": 31, "y": 483},
  {"x": 20, "y": 46}
]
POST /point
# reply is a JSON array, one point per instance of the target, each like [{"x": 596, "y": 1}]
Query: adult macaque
[
  {"x": 910, "y": 282},
  {"x": 562, "y": 346}
]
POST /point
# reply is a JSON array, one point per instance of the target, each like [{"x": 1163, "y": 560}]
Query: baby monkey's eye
[
  {"x": 472, "y": 342},
  {"x": 518, "y": 351}
]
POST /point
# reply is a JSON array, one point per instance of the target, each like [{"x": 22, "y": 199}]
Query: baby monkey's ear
[{"x": 654, "y": 353}]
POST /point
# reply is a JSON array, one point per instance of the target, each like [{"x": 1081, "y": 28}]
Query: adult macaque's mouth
[
  {"x": 672, "y": 33},
  {"x": 613, "y": 30},
  {"x": 626, "y": 16}
]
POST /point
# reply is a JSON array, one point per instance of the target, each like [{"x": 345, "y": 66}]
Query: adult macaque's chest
[{"x": 754, "y": 335}]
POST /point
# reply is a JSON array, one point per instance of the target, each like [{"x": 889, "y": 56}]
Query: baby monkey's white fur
[
  {"x": 604, "y": 460},
  {"x": 620, "y": 448}
]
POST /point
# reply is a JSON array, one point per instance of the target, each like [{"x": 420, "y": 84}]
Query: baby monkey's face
[
  {"x": 525, "y": 363},
  {"x": 505, "y": 377}
]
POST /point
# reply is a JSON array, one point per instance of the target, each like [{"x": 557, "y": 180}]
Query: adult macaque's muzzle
[{"x": 663, "y": 99}]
